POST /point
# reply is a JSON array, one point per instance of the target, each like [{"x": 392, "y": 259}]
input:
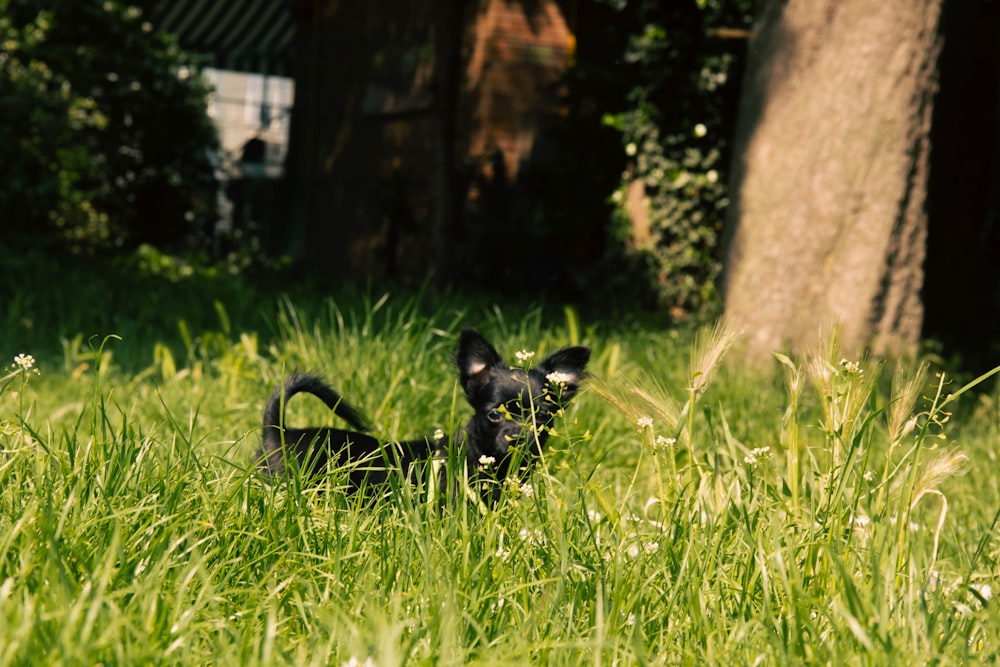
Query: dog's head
[{"x": 513, "y": 407}]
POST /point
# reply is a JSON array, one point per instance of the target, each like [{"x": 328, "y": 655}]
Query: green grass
[{"x": 808, "y": 512}]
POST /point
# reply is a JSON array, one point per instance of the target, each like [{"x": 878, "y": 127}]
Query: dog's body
[{"x": 513, "y": 410}]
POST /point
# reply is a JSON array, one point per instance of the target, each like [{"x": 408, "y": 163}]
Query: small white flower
[
  {"x": 756, "y": 455},
  {"x": 869, "y": 475},
  {"x": 524, "y": 355},
  {"x": 700, "y": 130},
  {"x": 663, "y": 442},
  {"x": 851, "y": 367},
  {"x": 712, "y": 176},
  {"x": 534, "y": 537},
  {"x": 594, "y": 516},
  {"x": 631, "y": 149},
  {"x": 630, "y": 620},
  {"x": 632, "y": 551},
  {"x": 558, "y": 377},
  {"x": 503, "y": 554},
  {"x": 985, "y": 590},
  {"x": 644, "y": 422},
  {"x": 438, "y": 434},
  {"x": 24, "y": 361},
  {"x": 527, "y": 490},
  {"x": 651, "y": 548},
  {"x": 486, "y": 460}
]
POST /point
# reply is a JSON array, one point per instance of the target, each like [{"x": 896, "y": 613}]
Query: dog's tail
[{"x": 302, "y": 383}]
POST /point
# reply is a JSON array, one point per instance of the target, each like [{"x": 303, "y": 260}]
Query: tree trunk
[{"x": 827, "y": 219}]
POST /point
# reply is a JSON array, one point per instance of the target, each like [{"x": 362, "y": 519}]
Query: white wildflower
[
  {"x": 533, "y": 537},
  {"x": 24, "y": 361},
  {"x": 651, "y": 548},
  {"x": 558, "y": 377},
  {"x": 630, "y": 620},
  {"x": 700, "y": 130},
  {"x": 644, "y": 422},
  {"x": 756, "y": 455},
  {"x": 631, "y": 149},
  {"x": 485, "y": 461},
  {"x": 985, "y": 591},
  {"x": 438, "y": 434},
  {"x": 663, "y": 442},
  {"x": 524, "y": 355},
  {"x": 527, "y": 490},
  {"x": 851, "y": 367}
]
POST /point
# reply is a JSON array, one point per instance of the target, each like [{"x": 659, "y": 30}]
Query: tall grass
[{"x": 687, "y": 510}]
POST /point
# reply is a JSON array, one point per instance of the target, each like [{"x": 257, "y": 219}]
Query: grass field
[{"x": 689, "y": 509}]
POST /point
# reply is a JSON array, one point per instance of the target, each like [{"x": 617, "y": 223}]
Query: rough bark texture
[{"x": 827, "y": 221}]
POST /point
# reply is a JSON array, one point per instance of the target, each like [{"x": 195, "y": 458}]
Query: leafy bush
[
  {"x": 675, "y": 129},
  {"x": 104, "y": 138}
]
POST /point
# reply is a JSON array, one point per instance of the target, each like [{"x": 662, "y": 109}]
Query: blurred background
[{"x": 575, "y": 149}]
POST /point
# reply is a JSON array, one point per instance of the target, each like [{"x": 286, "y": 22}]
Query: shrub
[
  {"x": 104, "y": 138},
  {"x": 675, "y": 129}
]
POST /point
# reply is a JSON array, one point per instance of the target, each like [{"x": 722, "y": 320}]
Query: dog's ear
[
  {"x": 566, "y": 368},
  {"x": 476, "y": 357}
]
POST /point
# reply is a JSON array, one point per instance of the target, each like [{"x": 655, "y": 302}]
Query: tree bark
[{"x": 827, "y": 221}]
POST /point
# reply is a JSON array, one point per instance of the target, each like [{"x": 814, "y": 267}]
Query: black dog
[{"x": 513, "y": 410}]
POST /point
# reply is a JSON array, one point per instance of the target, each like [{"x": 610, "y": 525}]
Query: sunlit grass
[{"x": 688, "y": 510}]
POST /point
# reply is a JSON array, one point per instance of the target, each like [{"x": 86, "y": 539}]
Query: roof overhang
[{"x": 242, "y": 35}]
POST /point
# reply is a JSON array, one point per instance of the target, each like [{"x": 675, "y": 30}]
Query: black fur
[
  {"x": 314, "y": 447},
  {"x": 513, "y": 410}
]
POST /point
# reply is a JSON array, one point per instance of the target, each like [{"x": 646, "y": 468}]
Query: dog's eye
[{"x": 494, "y": 416}]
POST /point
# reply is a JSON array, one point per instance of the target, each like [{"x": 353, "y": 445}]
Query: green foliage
[
  {"x": 675, "y": 131},
  {"x": 688, "y": 510},
  {"x": 104, "y": 138},
  {"x": 81, "y": 300}
]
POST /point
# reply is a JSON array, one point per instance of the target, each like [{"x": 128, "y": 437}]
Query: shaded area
[{"x": 962, "y": 288}]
